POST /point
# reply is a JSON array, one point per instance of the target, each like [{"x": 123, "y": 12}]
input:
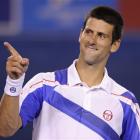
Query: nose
[{"x": 93, "y": 39}]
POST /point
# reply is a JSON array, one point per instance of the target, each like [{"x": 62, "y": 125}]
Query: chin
[{"x": 89, "y": 62}]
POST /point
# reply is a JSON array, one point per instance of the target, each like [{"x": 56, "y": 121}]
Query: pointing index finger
[{"x": 11, "y": 49}]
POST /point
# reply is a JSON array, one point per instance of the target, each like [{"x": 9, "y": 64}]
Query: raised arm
[{"x": 16, "y": 67}]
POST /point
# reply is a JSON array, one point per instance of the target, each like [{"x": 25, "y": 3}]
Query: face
[{"x": 96, "y": 42}]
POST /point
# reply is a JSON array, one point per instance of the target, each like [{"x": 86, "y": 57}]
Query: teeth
[{"x": 92, "y": 47}]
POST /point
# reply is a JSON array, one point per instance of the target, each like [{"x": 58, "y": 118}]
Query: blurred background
[{"x": 47, "y": 31}]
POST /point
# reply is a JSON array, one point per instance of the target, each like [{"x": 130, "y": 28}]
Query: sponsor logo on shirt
[{"x": 107, "y": 114}]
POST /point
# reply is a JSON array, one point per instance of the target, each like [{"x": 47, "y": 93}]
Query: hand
[{"x": 16, "y": 65}]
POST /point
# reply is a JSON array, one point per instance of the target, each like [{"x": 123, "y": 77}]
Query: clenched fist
[{"x": 16, "y": 65}]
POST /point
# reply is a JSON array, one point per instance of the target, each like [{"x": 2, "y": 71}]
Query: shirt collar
[
  {"x": 73, "y": 76},
  {"x": 74, "y": 79}
]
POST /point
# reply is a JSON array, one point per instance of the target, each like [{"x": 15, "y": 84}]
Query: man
[{"x": 78, "y": 103}]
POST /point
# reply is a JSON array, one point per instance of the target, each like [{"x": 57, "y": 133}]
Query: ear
[{"x": 115, "y": 46}]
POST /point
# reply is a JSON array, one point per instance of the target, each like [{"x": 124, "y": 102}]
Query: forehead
[{"x": 99, "y": 26}]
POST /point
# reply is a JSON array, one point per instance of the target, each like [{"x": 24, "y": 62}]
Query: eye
[
  {"x": 88, "y": 31},
  {"x": 101, "y": 35}
]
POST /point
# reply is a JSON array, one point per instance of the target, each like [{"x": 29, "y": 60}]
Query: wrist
[{"x": 14, "y": 87}]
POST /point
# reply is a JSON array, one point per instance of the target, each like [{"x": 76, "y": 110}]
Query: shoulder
[
  {"x": 38, "y": 81},
  {"x": 123, "y": 93},
  {"x": 39, "y": 78}
]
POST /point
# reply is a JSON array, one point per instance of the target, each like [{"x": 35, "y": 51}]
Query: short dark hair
[{"x": 110, "y": 16}]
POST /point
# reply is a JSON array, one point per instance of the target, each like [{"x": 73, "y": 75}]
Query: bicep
[
  {"x": 30, "y": 107},
  {"x": 131, "y": 124},
  {"x": 19, "y": 122}
]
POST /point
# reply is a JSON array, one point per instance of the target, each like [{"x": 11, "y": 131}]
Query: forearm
[
  {"x": 16, "y": 66},
  {"x": 9, "y": 115}
]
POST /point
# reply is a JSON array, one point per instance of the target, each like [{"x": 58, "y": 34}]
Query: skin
[
  {"x": 95, "y": 48},
  {"x": 10, "y": 121}
]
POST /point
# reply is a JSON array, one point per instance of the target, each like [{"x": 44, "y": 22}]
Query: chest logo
[{"x": 107, "y": 114}]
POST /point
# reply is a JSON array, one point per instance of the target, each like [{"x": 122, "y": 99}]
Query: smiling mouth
[{"x": 92, "y": 47}]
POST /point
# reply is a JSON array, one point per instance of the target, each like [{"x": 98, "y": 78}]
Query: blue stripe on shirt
[
  {"x": 61, "y": 76},
  {"x": 130, "y": 126},
  {"x": 130, "y": 96},
  {"x": 33, "y": 104}
]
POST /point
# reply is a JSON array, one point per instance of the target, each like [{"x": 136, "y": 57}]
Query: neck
[{"x": 92, "y": 75}]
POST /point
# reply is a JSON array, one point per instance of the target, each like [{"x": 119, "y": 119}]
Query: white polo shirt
[{"x": 64, "y": 108}]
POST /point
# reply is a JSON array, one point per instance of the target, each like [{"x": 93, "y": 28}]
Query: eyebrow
[
  {"x": 97, "y": 32},
  {"x": 107, "y": 35}
]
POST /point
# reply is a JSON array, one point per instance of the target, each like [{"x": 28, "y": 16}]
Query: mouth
[{"x": 93, "y": 47}]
